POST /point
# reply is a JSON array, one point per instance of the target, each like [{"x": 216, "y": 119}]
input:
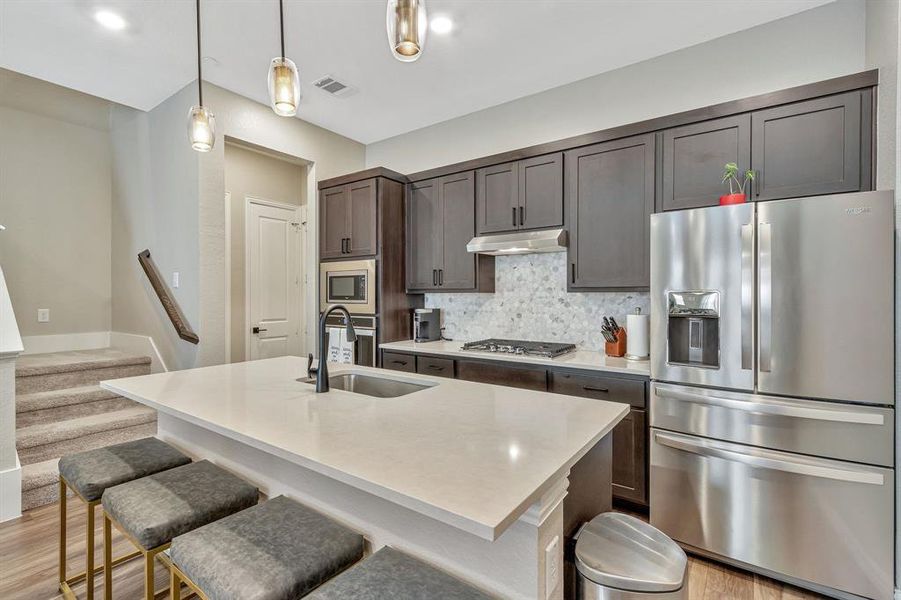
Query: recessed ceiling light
[
  {"x": 442, "y": 25},
  {"x": 110, "y": 20}
]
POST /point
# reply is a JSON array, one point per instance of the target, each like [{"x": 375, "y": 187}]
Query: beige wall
[
  {"x": 811, "y": 46},
  {"x": 55, "y": 203},
  {"x": 171, "y": 199},
  {"x": 255, "y": 174}
]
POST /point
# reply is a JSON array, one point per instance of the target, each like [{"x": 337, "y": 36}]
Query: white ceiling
[{"x": 500, "y": 50}]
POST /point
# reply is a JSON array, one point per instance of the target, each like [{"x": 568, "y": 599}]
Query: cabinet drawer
[
  {"x": 614, "y": 389},
  {"x": 439, "y": 367},
  {"x": 518, "y": 377},
  {"x": 399, "y": 362}
]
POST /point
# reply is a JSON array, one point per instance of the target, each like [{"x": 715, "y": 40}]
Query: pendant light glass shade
[
  {"x": 201, "y": 128},
  {"x": 407, "y": 26},
  {"x": 284, "y": 86}
]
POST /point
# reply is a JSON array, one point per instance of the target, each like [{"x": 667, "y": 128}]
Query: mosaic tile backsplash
[{"x": 531, "y": 303}]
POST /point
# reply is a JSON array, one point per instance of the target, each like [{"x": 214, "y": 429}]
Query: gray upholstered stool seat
[
  {"x": 155, "y": 509},
  {"x": 392, "y": 575},
  {"x": 89, "y": 473},
  {"x": 277, "y": 550}
]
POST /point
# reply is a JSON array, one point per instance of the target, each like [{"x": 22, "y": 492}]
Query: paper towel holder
[{"x": 638, "y": 332}]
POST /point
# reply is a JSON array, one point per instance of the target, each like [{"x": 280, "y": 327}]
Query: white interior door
[{"x": 274, "y": 291}]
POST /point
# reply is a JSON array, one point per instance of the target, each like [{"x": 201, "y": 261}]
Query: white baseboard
[
  {"x": 139, "y": 344},
  {"x": 11, "y": 492},
  {"x": 39, "y": 344}
]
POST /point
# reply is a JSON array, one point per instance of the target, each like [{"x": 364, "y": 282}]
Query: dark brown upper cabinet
[
  {"x": 609, "y": 200},
  {"x": 694, "y": 157},
  {"x": 440, "y": 222},
  {"x": 812, "y": 147},
  {"x": 348, "y": 220},
  {"x": 526, "y": 194}
]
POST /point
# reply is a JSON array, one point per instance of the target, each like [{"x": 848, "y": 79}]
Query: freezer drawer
[
  {"x": 818, "y": 520},
  {"x": 828, "y": 429}
]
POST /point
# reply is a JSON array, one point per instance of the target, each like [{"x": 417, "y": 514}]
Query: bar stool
[
  {"x": 88, "y": 474},
  {"x": 153, "y": 510},
  {"x": 277, "y": 550},
  {"x": 391, "y": 574}
]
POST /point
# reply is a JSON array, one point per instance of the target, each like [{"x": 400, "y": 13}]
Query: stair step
[
  {"x": 36, "y": 401},
  {"x": 40, "y": 474},
  {"x": 30, "y": 365},
  {"x": 28, "y": 456},
  {"x": 73, "y": 411},
  {"x": 77, "y": 368}
]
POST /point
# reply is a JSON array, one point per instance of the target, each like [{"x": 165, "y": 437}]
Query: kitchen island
[{"x": 468, "y": 476}]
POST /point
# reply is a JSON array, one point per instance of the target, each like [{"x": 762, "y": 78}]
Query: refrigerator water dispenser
[{"x": 693, "y": 333}]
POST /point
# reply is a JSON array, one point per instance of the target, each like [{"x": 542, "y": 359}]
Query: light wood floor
[{"x": 28, "y": 564}]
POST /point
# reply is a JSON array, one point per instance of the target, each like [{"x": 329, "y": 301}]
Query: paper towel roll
[{"x": 638, "y": 327}]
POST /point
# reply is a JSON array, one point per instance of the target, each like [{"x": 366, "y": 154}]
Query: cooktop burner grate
[{"x": 544, "y": 349}]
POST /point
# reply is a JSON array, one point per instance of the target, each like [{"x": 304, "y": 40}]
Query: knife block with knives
[{"x": 615, "y": 338}]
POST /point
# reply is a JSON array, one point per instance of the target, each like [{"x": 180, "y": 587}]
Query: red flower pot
[{"x": 732, "y": 199}]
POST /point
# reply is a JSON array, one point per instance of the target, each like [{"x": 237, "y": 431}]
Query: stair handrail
[{"x": 166, "y": 299}]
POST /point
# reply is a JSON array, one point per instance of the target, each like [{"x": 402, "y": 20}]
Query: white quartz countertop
[
  {"x": 580, "y": 359},
  {"x": 471, "y": 455}
]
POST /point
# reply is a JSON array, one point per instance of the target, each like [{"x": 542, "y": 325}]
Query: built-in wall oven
[
  {"x": 366, "y": 346},
  {"x": 351, "y": 283},
  {"x": 771, "y": 407}
]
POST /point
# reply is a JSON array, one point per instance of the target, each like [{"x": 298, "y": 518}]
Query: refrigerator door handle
[
  {"x": 778, "y": 409},
  {"x": 761, "y": 459},
  {"x": 747, "y": 296},
  {"x": 765, "y": 232}
]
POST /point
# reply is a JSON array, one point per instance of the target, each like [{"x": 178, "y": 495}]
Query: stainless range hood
[{"x": 520, "y": 242}]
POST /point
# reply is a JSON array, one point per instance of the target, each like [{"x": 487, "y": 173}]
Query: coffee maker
[{"x": 426, "y": 324}]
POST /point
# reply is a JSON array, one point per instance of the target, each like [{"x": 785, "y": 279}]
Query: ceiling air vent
[{"x": 334, "y": 87}]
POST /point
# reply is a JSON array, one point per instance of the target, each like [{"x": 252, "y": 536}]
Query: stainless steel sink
[{"x": 377, "y": 387}]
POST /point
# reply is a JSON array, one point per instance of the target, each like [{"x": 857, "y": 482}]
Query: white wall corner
[
  {"x": 40, "y": 344},
  {"x": 11, "y": 492},
  {"x": 139, "y": 344}
]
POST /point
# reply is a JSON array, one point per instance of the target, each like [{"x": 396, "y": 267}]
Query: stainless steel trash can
[{"x": 619, "y": 557}]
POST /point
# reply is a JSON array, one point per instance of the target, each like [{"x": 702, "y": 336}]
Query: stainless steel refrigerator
[{"x": 772, "y": 393}]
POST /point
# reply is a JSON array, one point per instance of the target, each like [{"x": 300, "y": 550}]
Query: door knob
[{"x": 257, "y": 330}]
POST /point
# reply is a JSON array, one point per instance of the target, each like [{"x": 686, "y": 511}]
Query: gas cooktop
[{"x": 544, "y": 349}]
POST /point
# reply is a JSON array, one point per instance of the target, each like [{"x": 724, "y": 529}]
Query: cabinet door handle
[
  {"x": 757, "y": 183},
  {"x": 435, "y": 277},
  {"x": 343, "y": 245},
  {"x": 514, "y": 216},
  {"x": 399, "y": 362},
  {"x": 572, "y": 270},
  {"x": 589, "y": 388},
  {"x": 522, "y": 212},
  {"x": 440, "y": 277},
  {"x": 348, "y": 245},
  {"x": 436, "y": 368}
]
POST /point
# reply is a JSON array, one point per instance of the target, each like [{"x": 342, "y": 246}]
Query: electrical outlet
[
  {"x": 551, "y": 567},
  {"x": 175, "y": 279},
  {"x": 43, "y": 315}
]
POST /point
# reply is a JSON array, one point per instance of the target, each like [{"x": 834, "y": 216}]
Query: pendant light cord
[
  {"x": 199, "y": 73},
  {"x": 281, "y": 20}
]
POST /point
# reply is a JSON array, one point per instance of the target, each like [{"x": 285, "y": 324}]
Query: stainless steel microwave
[{"x": 350, "y": 283}]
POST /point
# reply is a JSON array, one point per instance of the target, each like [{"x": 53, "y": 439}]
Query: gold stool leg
[
  {"x": 148, "y": 576},
  {"x": 174, "y": 585},
  {"x": 89, "y": 567},
  {"x": 62, "y": 533},
  {"x": 107, "y": 558}
]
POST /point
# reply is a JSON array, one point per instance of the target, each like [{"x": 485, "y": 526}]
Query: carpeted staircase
[{"x": 60, "y": 409}]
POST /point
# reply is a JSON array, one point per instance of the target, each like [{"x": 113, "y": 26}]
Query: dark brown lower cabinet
[
  {"x": 437, "y": 367},
  {"x": 397, "y": 361},
  {"x": 630, "y": 441},
  {"x": 518, "y": 377}
]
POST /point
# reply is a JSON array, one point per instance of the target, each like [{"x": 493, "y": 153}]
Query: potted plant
[{"x": 730, "y": 174}]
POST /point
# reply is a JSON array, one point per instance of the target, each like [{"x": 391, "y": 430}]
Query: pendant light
[
  {"x": 284, "y": 81},
  {"x": 407, "y": 26},
  {"x": 201, "y": 121}
]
